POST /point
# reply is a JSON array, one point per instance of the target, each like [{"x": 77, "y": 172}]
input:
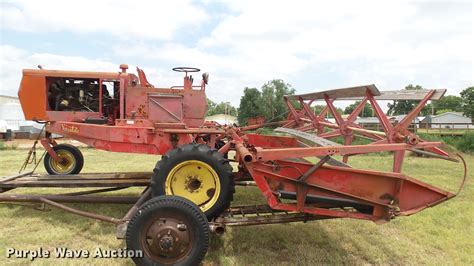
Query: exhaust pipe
[{"x": 217, "y": 229}]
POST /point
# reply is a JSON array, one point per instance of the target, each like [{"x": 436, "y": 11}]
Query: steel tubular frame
[
  {"x": 250, "y": 214},
  {"x": 397, "y": 193},
  {"x": 153, "y": 120},
  {"x": 386, "y": 195},
  {"x": 305, "y": 119},
  {"x": 276, "y": 164}
]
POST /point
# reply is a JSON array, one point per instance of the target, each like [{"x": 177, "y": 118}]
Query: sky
[{"x": 312, "y": 45}]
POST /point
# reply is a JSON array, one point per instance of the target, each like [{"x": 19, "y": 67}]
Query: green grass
[
  {"x": 440, "y": 235},
  {"x": 463, "y": 143},
  {"x": 442, "y": 131}
]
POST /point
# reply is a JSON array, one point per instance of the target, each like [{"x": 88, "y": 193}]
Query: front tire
[
  {"x": 71, "y": 162},
  {"x": 169, "y": 230},
  {"x": 198, "y": 173}
]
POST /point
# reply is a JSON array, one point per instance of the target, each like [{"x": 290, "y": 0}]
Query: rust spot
[{"x": 142, "y": 110}]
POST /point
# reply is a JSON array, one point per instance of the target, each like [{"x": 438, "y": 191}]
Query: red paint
[{"x": 145, "y": 119}]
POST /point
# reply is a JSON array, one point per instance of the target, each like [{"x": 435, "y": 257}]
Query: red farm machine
[{"x": 189, "y": 192}]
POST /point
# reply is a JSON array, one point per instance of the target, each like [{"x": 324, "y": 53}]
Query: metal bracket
[{"x": 314, "y": 168}]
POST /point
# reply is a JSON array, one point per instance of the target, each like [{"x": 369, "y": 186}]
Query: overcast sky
[{"x": 313, "y": 45}]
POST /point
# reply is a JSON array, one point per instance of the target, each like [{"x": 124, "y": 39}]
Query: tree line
[
  {"x": 268, "y": 102},
  {"x": 449, "y": 103},
  {"x": 220, "y": 108}
]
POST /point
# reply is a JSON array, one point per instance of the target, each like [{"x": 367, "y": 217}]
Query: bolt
[{"x": 181, "y": 227}]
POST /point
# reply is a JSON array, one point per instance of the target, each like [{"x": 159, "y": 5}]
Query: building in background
[
  {"x": 447, "y": 120},
  {"x": 222, "y": 119},
  {"x": 12, "y": 119},
  {"x": 8, "y": 99}
]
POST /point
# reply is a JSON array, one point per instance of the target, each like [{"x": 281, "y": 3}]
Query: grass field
[
  {"x": 444, "y": 131},
  {"x": 440, "y": 235}
]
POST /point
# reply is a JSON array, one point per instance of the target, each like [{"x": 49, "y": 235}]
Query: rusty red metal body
[
  {"x": 131, "y": 115},
  {"x": 137, "y": 118},
  {"x": 375, "y": 195}
]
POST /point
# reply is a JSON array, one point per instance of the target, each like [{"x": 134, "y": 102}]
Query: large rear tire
[
  {"x": 71, "y": 162},
  {"x": 198, "y": 173},
  {"x": 168, "y": 230}
]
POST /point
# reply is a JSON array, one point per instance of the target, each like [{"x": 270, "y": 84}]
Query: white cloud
[
  {"x": 390, "y": 43},
  {"x": 123, "y": 18},
  {"x": 336, "y": 30},
  {"x": 13, "y": 60},
  {"x": 229, "y": 73}
]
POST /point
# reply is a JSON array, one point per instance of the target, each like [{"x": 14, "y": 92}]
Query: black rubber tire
[
  {"x": 202, "y": 153},
  {"x": 164, "y": 204},
  {"x": 78, "y": 157}
]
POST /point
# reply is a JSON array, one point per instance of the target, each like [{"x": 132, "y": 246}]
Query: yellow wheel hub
[
  {"x": 196, "y": 181},
  {"x": 66, "y": 164}
]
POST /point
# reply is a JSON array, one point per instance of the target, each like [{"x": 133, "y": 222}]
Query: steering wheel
[{"x": 186, "y": 69}]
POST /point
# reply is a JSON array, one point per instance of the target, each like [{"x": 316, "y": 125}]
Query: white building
[
  {"x": 222, "y": 119},
  {"x": 11, "y": 115},
  {"x": 8, "y": 99},
  {"x": 448, "y": 120}
]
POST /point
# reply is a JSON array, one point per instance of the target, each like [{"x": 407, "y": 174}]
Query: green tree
[
  {"x": 250, "y": 105},
  {"x": 366, "y": 112},
  {"x": 220, "y": 108},
  {"x": 427, "y": 110},
  {"x": 448, "y": 103},
  {"x": 225, "y": 108},
  {"x": 272, "y": 98},
  {"x": 442, "y": 111},
  {"x": 402, "y": 107},
  {"x": 405, "y": 106},
  {"x": 210, "y": 107},
  {"x": 318, "y": 108},
  {"x": 467, "y": 96}
]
